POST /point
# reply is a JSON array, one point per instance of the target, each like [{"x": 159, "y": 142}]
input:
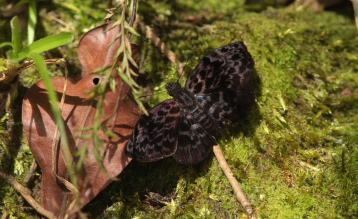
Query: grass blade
[
  {"x": 40, "y": 64},
  {"x": 31, "y": 24},
  {"x": 47, "y": 43}
]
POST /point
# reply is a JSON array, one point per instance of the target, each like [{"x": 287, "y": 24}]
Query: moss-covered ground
[{"x": 296, "y": 155}]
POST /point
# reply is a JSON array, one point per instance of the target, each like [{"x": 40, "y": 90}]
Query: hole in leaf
[{"x": 96, "y": 81}]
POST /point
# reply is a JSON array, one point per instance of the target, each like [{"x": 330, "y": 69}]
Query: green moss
[
  {"x": 296, "y": 154},
  {"x": 285, "y": 153}
]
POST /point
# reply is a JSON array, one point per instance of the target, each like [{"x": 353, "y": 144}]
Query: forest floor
[{"x": 296, "y": 155}]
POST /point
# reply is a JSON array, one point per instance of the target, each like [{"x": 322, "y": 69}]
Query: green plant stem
[
  {"x": 40, "y": 63},
  {"x": 31, "y": 25}
]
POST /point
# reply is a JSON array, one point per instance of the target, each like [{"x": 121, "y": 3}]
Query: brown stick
[
  {"x": 31, "y": 173},
  {"x": 240, "y": 195},
  {"x": 25, "y": 192},
  {"x": 355, "y": 6},
  {"x": 5, "y": 215},
  {"x": 159, "y": 43}
]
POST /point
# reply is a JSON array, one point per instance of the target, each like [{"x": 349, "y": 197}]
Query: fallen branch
[
  {"x": 240, "y": 195},
  {"x": 25, "y": 192}
]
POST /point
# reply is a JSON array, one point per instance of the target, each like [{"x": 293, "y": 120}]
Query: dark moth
[{"x": 216, "y": 94}]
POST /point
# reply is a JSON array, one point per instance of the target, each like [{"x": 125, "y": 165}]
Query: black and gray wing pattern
[
  {"x": 216, "y": 94},
  {"x": 156, "y": 136},
  {"x": 194, "y": 142},
  {"x": 220, "y": 83},
  {"x": 228, "y": 67}
]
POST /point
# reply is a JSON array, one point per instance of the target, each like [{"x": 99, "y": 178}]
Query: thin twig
[
  {"x": 159, "y": 43},
  {"x": 5, "y": 215},
  {"x": 53, "y": 16},
  {"x": 240, "y": 195},
  {"x": 31, "y": 63},
  {"x": 31, "y": 173},
  {"x": 25, "y": 192},
  {"x": 355, "y": 6}
]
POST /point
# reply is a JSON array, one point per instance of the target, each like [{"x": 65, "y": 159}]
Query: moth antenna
[{"x": 152, "y": 94}]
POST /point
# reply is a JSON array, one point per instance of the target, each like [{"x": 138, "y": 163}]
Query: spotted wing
[
  {"x": 156, "y": 135},
  {"x": 228, "y": 67},
  {"x": 229, "y": 106},
  {"x": 194, "y": 142}
]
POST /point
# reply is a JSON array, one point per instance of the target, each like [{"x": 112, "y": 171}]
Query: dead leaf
[{"x": 95, "y": 51}]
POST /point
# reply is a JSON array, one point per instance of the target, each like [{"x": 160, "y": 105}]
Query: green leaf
[
  {"x": 111, "y": 134},
  {"x": 131, "y": 60},
  {"x": 6, "y": 44},
  {"x": 112, "y": 84},
  {"x": 124, "y": 78},
  {"x": 119, "y": 51},
  {"x": 46, "y": 43},
  {"x": 41, "y": 65},
  {"x": 31, "y": 24},
  {"x": 131, "y": 29},
  {"x": 16, "y": 35}
]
